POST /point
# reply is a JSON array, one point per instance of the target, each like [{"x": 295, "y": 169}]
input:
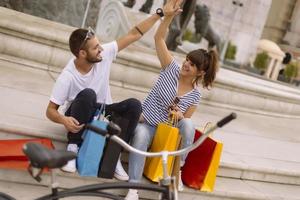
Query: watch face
[{"x": 159, "y": 11}]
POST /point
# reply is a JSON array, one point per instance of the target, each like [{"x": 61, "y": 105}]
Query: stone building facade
[
  {"x": 69, "y": 12},
  {"x": 242, "y": 25},
  {"x": 282, "y": 26}
]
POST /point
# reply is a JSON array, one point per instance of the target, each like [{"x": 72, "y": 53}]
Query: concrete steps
[
  {"x": 260, "y": 159},
  {"x": 225, "y": 188},
  {"x": 246, "y": 172}
]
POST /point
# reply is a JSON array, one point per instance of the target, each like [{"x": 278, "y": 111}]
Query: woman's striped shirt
[{"x": 155, "y": 107}]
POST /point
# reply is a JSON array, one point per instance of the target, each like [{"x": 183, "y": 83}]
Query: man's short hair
[{"x": 76, "y": 40}]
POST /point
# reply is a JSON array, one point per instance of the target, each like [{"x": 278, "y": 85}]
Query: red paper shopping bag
[{"x": 201, "y": 164}]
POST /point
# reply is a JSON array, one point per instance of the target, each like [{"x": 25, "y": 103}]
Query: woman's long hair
[{"x": 206, "y": 61}]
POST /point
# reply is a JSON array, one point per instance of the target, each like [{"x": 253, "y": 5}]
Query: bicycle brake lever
[{"x": 113, "y": 129}]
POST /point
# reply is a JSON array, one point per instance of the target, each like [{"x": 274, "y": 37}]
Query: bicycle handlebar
[
  {"x": 226, "y": 119},
  {"x": 112, "y": 129}
]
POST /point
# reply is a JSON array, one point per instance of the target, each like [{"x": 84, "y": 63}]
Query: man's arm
[
  {"x": 134, "y": 34},
  {"x": 162, "y": 51},
  {"x": 70, "y": 123}
]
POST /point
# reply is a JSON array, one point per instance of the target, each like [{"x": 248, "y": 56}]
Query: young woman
[{"x": 174, "y": 82}]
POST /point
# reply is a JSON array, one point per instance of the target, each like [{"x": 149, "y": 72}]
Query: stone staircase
[
  {"x": 260, "y": 155},
  {"x": 260, "y": 178}
]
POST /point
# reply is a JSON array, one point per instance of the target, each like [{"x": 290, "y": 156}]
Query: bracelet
[{"x": 139, "y": 30}]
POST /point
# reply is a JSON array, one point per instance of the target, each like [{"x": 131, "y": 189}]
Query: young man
[{"x": 83, "y": 86}]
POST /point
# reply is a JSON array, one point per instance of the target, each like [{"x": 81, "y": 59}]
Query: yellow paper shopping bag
[{"x": 166, "y": 138}]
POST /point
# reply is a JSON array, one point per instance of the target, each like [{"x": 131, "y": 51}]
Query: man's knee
[
  {"x": 83, "y": 106},
  {"x": 134, "y": 105},
  {"x": 87, "y": 94}
]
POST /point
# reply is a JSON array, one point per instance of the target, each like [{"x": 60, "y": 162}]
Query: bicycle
[{"x": 40, "y": 157}]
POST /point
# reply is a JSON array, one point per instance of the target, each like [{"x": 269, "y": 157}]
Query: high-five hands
[{"x": 172, "y": 7}]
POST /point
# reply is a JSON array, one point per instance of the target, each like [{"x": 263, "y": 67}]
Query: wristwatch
[{"x": 160, "y": 12}]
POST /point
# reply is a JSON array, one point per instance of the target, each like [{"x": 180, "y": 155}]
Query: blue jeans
[{"x": 142, "y": 139}]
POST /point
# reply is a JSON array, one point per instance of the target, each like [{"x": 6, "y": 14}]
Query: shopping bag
[
  {"x": 112, "y": 150},
  {"x": 201, "y": 164},
  {"x": 11, "y": 153},
  {"x": 91, "y": 150},
  {"x": 166, "y": 138}
]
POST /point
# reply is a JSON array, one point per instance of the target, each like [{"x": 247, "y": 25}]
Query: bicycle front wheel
[
  {"x": 98, "y": 190},
  {"x": 4, "y": 196}
]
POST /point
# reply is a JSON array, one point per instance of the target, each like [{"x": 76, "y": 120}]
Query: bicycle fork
[
  {"x": 54, "y": 184},
  {"x": 36, "y": 174},
  {"x": 167, "y": 181}
]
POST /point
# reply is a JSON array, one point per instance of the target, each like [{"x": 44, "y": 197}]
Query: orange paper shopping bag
[{"x": 12, "y": 156}]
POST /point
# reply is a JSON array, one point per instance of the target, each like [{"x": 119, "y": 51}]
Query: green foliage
[
  {"x": 291, "y": 70},
  {"x": 230, "y": 52},
  {"x": 261, "y": 61},
  {"x": 188, "y": 35}
]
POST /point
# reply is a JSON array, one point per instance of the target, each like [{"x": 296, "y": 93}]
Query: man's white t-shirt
[{"x": 70, "y": 82}]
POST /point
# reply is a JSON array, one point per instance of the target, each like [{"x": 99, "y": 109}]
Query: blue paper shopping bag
[{"x": 91, "y": 150}]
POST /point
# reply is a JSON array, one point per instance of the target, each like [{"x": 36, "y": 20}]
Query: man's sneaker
[
  {"x": 120, "y": 172},
  {"x": 180, "y": 184},
  {"x": 132, "y": 195},
  {"x": 71, "y": 165}
]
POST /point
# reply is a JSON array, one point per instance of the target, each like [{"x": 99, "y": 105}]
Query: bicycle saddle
[{"x": 41, "y": 157}]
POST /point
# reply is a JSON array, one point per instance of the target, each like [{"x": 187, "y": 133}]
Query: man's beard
[{"x": 91, "y": 59}]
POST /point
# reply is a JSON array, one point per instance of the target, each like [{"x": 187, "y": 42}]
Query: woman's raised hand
[{"x": 172, "y": 7}]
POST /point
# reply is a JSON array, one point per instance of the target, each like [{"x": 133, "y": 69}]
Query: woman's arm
[
  {"x": 188, "y": 113},
  {"x": 170, "y": 10},
  {"x": 162, "y": 51}
]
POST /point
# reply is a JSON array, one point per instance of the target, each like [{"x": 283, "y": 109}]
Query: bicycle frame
[{"x": 165, "y": 154}]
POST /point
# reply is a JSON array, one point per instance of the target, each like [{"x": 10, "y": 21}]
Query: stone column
[
  {"x": 292, "y": 37},
  {"x": 270, "y": 67},
  {"x": 276, "y": 68}
]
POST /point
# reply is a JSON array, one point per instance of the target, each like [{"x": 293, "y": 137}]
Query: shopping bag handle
[
  {"x": 111, "y": 129},
  {"x": 226, "y": 119}
]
